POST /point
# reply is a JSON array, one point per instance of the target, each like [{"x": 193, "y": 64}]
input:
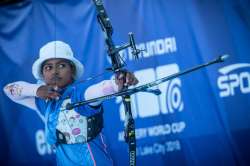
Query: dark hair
[{"x": 73, "y": 67}]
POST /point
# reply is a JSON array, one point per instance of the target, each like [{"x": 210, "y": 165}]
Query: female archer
[{"x": 76, "y": 134}]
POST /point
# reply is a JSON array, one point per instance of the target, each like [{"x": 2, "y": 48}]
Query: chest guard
[{"x": 74, "y": 128}]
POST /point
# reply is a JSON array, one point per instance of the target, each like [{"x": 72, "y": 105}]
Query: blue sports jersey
[{"x": 71, "y": 122}]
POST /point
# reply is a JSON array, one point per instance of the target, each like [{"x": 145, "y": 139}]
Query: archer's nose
[{"x": 55, "y": 71}]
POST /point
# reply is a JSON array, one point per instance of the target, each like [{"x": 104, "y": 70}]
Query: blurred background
[{"x": 202, "y": 118}]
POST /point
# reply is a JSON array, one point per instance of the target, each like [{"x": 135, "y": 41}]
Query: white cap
[{"x": 56, "y": 49}]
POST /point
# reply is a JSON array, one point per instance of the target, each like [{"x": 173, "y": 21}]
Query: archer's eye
[
  {"x": 47, "y": 67},
  {"x": 61, "y": 65}
]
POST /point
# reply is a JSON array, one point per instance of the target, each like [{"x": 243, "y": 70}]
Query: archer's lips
[{"x": 53, "y": 79}]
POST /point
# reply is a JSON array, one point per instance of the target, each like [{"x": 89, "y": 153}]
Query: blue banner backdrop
[{"x": 199, "y": 119}]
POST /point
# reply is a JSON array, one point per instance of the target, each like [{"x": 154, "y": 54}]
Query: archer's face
[{"x": 58, "y": 72}]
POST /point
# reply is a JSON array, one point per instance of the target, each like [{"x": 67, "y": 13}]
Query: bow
[{"x": 118, "y": 66}]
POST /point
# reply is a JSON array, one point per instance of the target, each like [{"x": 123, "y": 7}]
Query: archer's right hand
[{"x": 47, "y": 92}]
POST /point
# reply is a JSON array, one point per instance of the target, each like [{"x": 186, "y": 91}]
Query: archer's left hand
[{"x": 125, "y": 79}]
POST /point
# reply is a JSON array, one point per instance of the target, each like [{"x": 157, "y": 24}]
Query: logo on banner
[
  {"x": 234, "y": 79},
  {"x": 146, "y": 105}
]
